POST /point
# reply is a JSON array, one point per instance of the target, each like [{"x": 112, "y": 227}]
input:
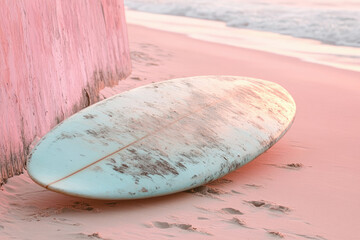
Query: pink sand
[{"x": 304, "y": 187}]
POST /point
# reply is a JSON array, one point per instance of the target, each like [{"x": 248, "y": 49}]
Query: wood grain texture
[{"x": 55, "y": 57}]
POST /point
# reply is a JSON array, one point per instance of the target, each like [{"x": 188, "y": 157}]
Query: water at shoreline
[
  {"x": 343, "y": 57},
  {"x": 328, "y": 21}
]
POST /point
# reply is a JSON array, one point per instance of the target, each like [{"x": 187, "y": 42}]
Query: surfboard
[{"x": 162, "y": 138}]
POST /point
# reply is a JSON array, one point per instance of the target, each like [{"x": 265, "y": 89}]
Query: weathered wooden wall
[{"x": 55, "y": 56}]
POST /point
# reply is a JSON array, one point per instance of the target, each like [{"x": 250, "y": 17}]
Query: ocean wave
[{"x": 337, "y": 26}]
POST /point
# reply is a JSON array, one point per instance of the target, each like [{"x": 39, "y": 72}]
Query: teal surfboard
[{"x": 162, "y": 138}]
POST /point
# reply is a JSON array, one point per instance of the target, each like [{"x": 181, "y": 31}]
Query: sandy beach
[{"x": 304, "y": 187}]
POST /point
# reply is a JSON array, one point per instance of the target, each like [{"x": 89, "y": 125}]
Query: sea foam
[{"x": 321, "y": 20}]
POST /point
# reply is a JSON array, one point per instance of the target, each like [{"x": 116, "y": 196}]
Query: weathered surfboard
[{"x": 162, "y": 138}]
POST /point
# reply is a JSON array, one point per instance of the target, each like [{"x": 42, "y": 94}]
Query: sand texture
[{"x": 304, "y": 187}]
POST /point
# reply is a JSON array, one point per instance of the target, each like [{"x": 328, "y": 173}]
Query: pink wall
[{"x": 55, "y": 56}]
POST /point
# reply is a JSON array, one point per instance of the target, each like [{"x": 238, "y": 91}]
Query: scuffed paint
[
  {"x": 162, "y": 138},
  {"x": 55, "y": 57}
]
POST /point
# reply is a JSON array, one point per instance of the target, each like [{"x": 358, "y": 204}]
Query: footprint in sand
[
  {"x": 232, "y": 211},
  {"x": 238, "y": 222},
  {"x": 275, "y": 234},
  {"x": 255, "y": 186},
  {"x": 82, "y": 206},
  {"x": 94, "y": 236},
  {"x": 162, "y": 225},
  {"x": 182, "y": 226},
  {"x": 317, "y": 237},
  {"x": 165, "y": 225},
  {"x": 210, "y": 191},
  {"x": 235, "y": 220},
  {"x": 48, "y": 212},
  {"x": 136, "y": 78},
  {"x": 236, "y": 192},
  {"x": 292, "y": 166},
  {"x": 270, "y": 206},
  {"x": 154, "y": 50},
  {"x": 205, "y": 191},
  {"x": 111, "y": 204},
  {"x": 142, "y": 57},
  {"x": 65, "y": 221}
]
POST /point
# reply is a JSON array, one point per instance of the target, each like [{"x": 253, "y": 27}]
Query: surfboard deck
[{"x": 162, "y": 138}]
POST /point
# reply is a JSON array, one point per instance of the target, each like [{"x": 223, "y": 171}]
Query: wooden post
[{"x": 55, "y": 57}]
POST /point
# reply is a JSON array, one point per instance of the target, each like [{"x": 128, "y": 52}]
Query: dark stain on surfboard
[
  {"x": 89, "y": 116},
  {"x": 208, "y": 138},
  {"x": 97, "y": 169},
  {"x": 259, "y": 117},
  {"x": 180, "y": 165},
  {"x": 268, "y": 142},
  {"x": 146, "y": 174},
  {"x": 91, "y": 132},
  {"x": 280, "y": 94},
  {"x": 104, "y": 132},
  {"x": 220, "y": 181},
  {"x": 132, "y": 150},
  {"x": 191, "y": 155},
  {"x": 274, "y": 116},
  {"x": 257, "y": 125},
  {"x": 233, "y": 166},
  {"x": 65, "y": 135},
  {"x": 101, "y": 134},
  {"x": 146, "y": 166},
  {"x": 164, "y": 167},
  {"x": 210, "y": 178},
  {"x": 250, "y": 92},
  {"x": 121, "y": 169}
]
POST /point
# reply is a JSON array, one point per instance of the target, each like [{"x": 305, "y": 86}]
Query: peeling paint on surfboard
[{"x": 162, "y": 138}]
